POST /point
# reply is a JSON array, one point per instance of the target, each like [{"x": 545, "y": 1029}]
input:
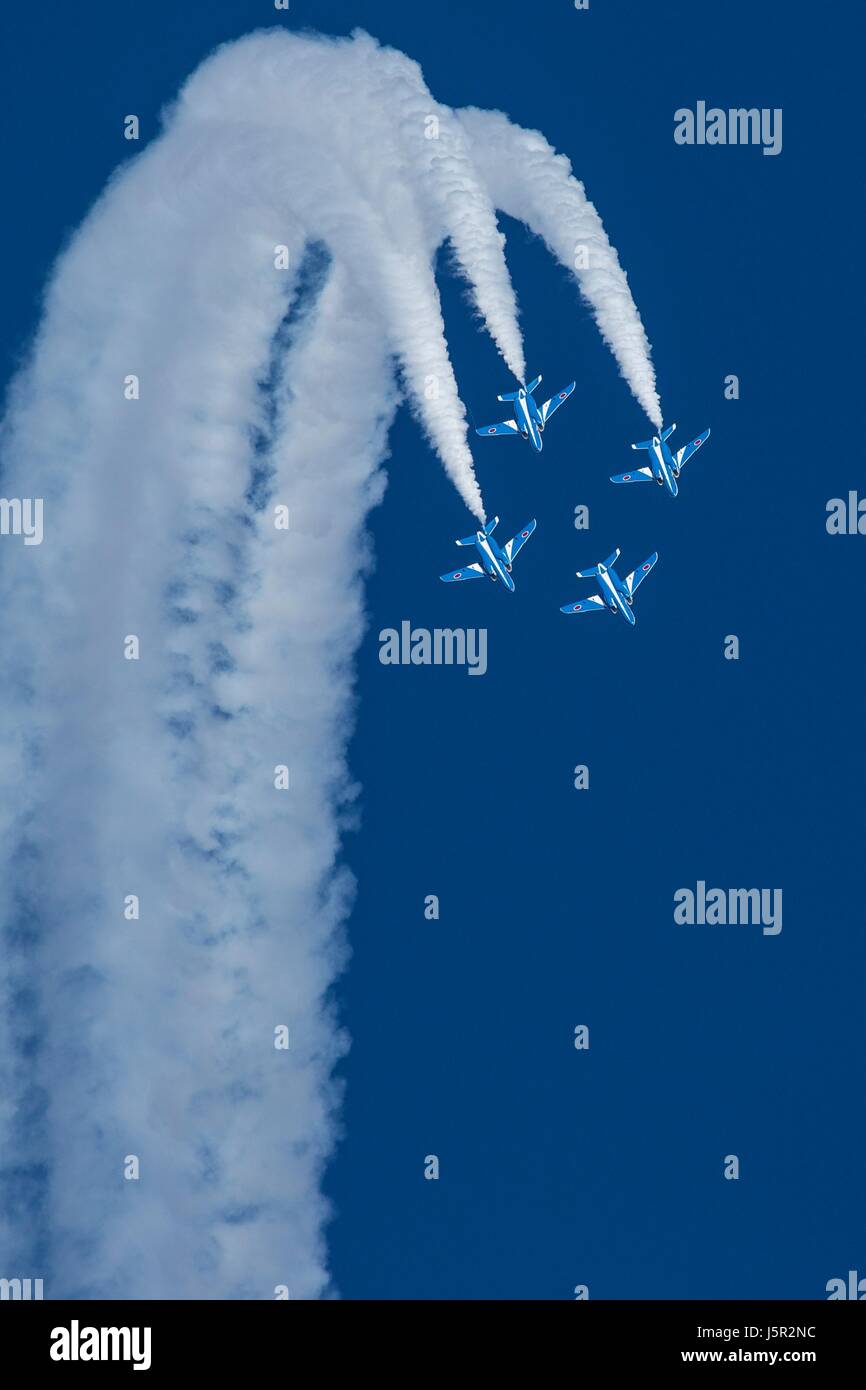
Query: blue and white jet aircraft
[
  {"x": 529, "y": 419},
  {"x": 495, "y": 563},
  {"x": 616, "y": 594},
  {"x": 664, "y": 467}
]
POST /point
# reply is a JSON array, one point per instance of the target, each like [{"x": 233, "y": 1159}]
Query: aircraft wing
[
  {"x": 685, "y": 453},
  {"x": 467, "y": 572},
  {"x": 635, "y": 475},
  {"x": 516, "y": 544},
  {"x": 555, "y": 402},
  {"x": 593, "y": 604},
  {"x": 506, "y": 427},
  {"x": 634, "y": 580}
]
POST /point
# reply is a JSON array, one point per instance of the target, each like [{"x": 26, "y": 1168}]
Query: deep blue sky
[{"x": 604, "y": 1167}]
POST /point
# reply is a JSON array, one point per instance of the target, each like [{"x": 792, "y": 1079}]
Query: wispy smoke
[{"x": 529, "y": 181}]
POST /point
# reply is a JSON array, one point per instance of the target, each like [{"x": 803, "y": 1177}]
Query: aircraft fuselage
[
  {"x": 613, "y": 593},
  {"x": 493, "y": 559},
  {"x": 664, "y": 465},
  {"x": 528, "y": 418}
]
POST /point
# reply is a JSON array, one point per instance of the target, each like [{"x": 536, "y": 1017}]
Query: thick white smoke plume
[{"x": 147, "y": 1032}]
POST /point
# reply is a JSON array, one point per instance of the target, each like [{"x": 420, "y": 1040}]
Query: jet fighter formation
[{"x": 494, "y": 562}]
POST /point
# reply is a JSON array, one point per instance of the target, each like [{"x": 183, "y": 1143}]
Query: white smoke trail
[
  {"x": 366, "y": 180},
  {"x": 433, "y": 150},
  {"x": 158, "y": 1034},
  {"x": 154, "y": 1036},
  {"x": 529, "y": 181}
]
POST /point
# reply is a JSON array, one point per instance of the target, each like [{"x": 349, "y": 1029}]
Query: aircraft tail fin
[
  {"x": 489, "y": 528},
  {"x": 592, "y": 572},
  {"x": 512, "y": 395},
  {"x": 666, "y": 434},
  {"x": 644, "y": 444}
]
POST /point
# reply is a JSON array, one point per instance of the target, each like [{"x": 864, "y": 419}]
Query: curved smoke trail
[
  {"x": 261, "y": 388},
  {"x": 529, "y": 181}
]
